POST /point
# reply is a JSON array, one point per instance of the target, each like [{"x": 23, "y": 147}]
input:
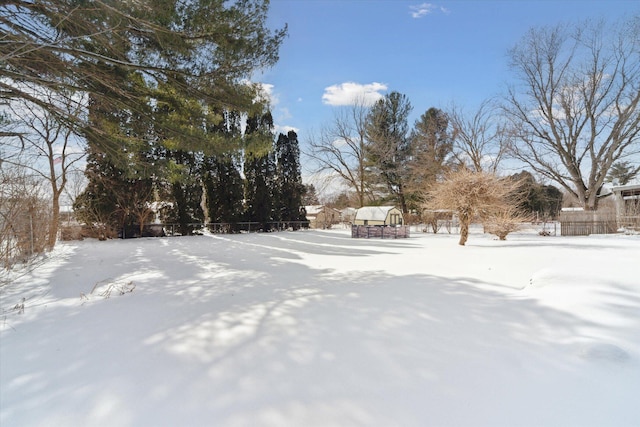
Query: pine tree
[
  {"x": 541, "y": 201},
  {"x": 388, "y": 149},
  {"x": 224, "y": 191},
  {"x": 289, "y": 178},
  {"x": 120, "y": 187},
  {"x": 221, "y": 176},
  {"x": 310, "y": 197},
  {"x": 201, "y": 49},
  {"x": 622, "y": 172},
  {"x": 259, "y": 169},
  {"x": 431, "y": 144},
  {"x": 184, "y": 192},
  {"x": 114, "y": 201}
]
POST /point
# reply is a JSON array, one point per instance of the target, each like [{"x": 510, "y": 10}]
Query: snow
[{"x": 313, "y": 328}]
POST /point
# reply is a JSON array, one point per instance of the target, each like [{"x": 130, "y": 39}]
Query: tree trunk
[
  {"x": 361, "y": 195},
  {"x": 464, "y": 229},
  {"x": 55, "y": 220},
  {"x": 403, "y": 201}
]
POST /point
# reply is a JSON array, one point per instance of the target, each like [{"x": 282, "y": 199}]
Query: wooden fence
[
  {"x": 160, "y": 230},
  {"x": 629, "y": 222},
  {"x": 585, "y": 228},
  {"x": 380, "y": 232},
  {"x": 583, "y": 223}
]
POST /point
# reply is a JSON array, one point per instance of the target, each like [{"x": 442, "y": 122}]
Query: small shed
[
  {"x": 378, "y": 215},
  {"x": 320, "y": 216}
]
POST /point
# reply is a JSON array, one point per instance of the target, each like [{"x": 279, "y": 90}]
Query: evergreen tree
[
  {"x": 221, "y": 176},
  {"x": 621, "y": 173},
  {"x": 310, "y": 197},
  {"x": 543, "y": 201},
  {"x": 341, "y": 201},
  {"x": 120, "y": 188},
  {"x": 114, "y": 201},
  {"x": 184, "y": 192},
  {"x": 288, "y": 199},
  {"x": 224, "y": 191},
  {"x": 96, "y": 205},
  {"x": 389, "y": 149},
  {"x": 259, "y": 169},
  {"x": 201, "y": 49},
  {"x": 431, "y": 145}
]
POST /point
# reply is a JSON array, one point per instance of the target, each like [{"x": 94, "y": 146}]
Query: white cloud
[
  {"x": 283, "y": 114},
  {"x": 350, "y": 92},
  {"x": 278, "y": 129},
  {"x": 267, "y": 93},
  {"x": 424, "y": 9},
  {"x": 339, "y": 142}
]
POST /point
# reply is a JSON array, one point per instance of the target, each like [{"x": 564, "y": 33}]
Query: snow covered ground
[{"x": 313, "y": 328}]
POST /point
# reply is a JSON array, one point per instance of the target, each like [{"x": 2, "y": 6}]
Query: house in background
[
  {"x": 320, "y": 216},
  {"x": 347, "y": 215},
  {"x": 378, "y": 215},
  {"x": 627, "y": 201},
  {"x": 623, "y": 215}
]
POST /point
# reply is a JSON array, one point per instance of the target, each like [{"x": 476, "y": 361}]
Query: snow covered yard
[{"x": 314, "y": 328}]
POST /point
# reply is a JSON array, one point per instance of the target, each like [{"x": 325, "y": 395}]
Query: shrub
[{"x": 505, "y": 222}]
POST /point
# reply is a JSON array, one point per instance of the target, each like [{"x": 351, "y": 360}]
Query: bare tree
[
  {"x": 47, "y": 148},
  {"x": 479, "y": 138},
  {"x": 471, "y": 194},
  {"x": 23, "y": 216},
  {"x": 576, "y": 111},
  {"x": 340, "y": 149}
]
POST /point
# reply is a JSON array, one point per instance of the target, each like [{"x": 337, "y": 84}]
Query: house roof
[
  {"x": 373, "y": 213},
  {"x": 316, "y": 209},
  {"x": 313, "y": 209},
  {"x": 619, "y": 188}
]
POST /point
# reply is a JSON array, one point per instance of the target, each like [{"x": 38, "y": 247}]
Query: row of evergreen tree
[{"x": 255, "y": 178}]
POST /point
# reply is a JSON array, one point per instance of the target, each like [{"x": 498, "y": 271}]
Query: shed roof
[{"x": 373, "y": 213}]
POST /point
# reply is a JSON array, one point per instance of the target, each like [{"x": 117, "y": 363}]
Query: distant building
[
  {"x": 347, "y": 215},
  {"x": 320, "y": 216},
  {"x": 627, "y": 200}
]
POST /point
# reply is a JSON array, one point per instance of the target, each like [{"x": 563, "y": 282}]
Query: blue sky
[{"x": 434, "y": 53}]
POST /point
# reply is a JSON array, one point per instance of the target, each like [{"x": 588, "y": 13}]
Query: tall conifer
[
  {"x": 259, "y": 169},
  {"x": 289, "y": 178}
]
